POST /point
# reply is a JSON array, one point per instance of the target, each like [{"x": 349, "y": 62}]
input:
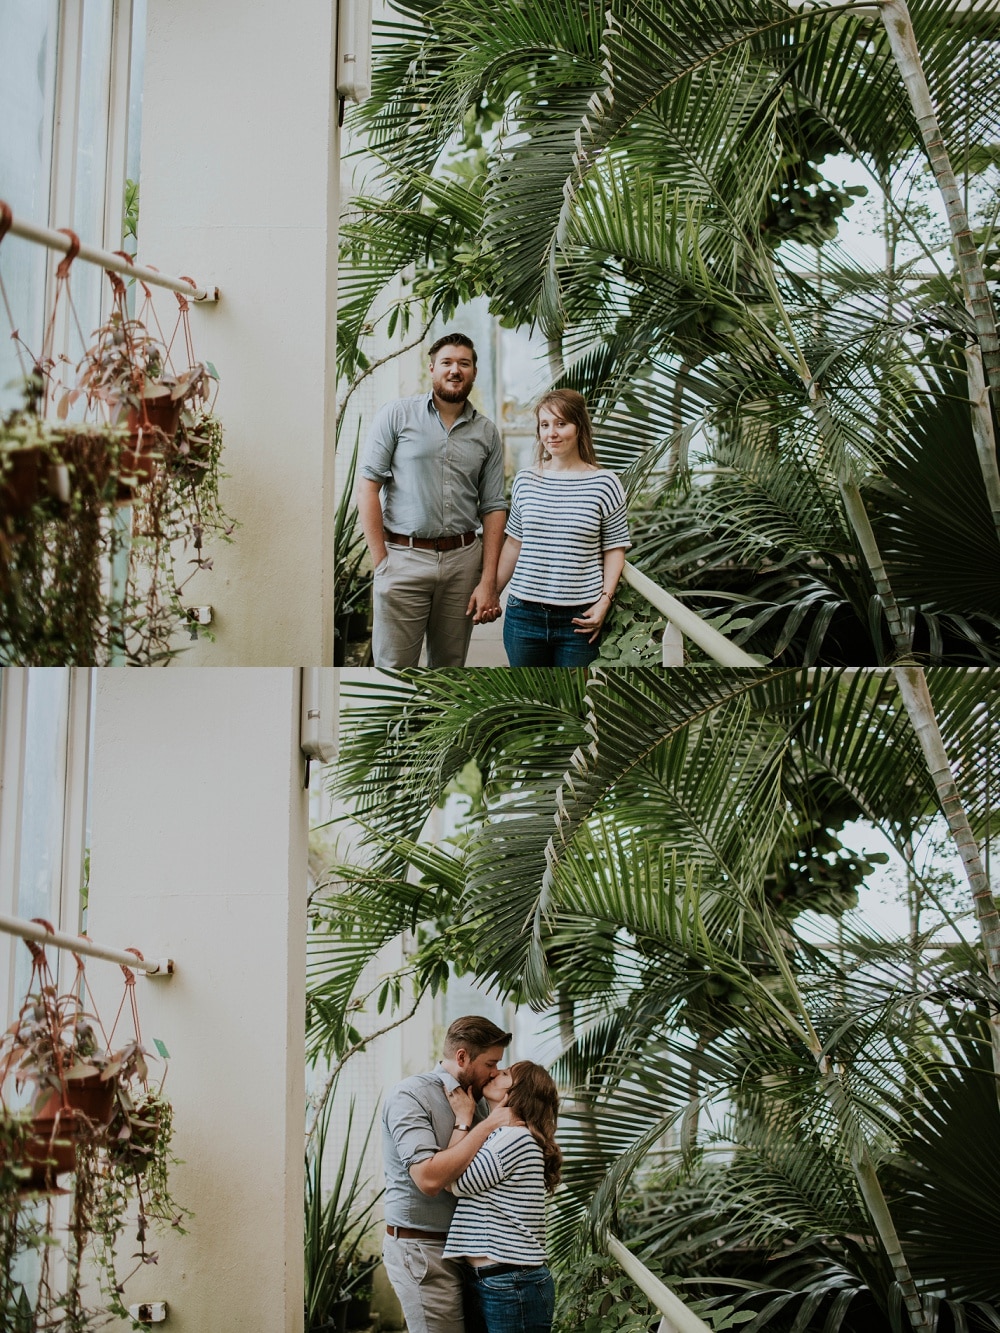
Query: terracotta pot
[
  {"x": 93, "y": 1098},
  {"x": 152, "y": 426},
  {"x": 50, "y": 1150},
  {"x": 20, "y": 486}
]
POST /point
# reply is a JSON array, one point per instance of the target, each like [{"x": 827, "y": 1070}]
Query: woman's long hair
[
  {"x": 534, "y": 1099},
  {"x": 572, "y": 407}
]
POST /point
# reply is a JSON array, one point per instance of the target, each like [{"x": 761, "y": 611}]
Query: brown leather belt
[
  {"x": 432, "y": 543},
  {"x": 411, "y": 1233}
]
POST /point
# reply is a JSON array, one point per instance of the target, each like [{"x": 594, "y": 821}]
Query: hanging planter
[
  {"x": 94, "y": 1130},
  {"x": 33, "y": 458},
  {"x": 127, "y": 372},
  {"x": 49, "y": 1151},
  {"x": 79, "y": 584},
  {"x": 20, "y": 480}
]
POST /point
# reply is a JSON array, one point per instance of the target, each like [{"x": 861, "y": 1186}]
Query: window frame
[{"x": 71, "y": 781}]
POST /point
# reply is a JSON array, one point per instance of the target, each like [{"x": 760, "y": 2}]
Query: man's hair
[
  {"x": 453, "y": 340},
  {"x": 474, "y": 1035}
]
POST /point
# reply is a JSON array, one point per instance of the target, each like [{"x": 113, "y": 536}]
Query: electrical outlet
[{"x": 149, "y": 1312}]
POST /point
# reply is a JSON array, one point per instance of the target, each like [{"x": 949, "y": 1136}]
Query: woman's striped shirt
[
  {"x": 501, "y": 1201},
  {"x": 564, "y": 525}
]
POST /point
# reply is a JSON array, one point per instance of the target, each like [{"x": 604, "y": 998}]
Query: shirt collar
[
  {"x": 449, "y": 1081},
  {"x": 468, "y": 412}
]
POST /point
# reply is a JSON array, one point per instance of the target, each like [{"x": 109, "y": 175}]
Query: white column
[
  {"x": 239, "y": 187},
  {"x": 199, "y": 846}
]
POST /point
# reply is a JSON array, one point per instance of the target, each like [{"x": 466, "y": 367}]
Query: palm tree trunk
[
  {"x": 875, "y": 1201},
  {"x": 899, "y": 29},
  {"x": 553, "y": 352},
  {"x": 982, "y": 430},
  {"x": 850, "y": 493},
  {"x": 692, "y": 1112},
  {"x": 912, "y": 685},
  {"x": 857, "y": 516},
  {"x": 861, "y": 524},
  {"x": 677, "y": 416},
  {"x": 859, "y": 1154}
]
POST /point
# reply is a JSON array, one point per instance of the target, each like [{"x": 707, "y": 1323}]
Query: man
[
  {"x": 431, "y": 473},
  {"x": 424, "y": 1149}
]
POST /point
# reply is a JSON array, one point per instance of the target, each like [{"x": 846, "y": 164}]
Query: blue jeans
[
  {"x": 541, "y": 634},
  {"x": 520, "y": 1300}
]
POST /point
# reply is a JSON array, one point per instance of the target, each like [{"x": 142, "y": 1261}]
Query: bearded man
[
  {"x": 426, "y": 1146},
  {"x": 431, "y": 475}
]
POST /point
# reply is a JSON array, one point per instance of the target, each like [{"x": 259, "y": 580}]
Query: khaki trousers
[
  {"x": 423, "y": 594},
  {"x": 429, "y": 1286}
]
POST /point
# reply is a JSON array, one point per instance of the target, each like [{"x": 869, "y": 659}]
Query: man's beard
[{"x": 453, "y": 395}]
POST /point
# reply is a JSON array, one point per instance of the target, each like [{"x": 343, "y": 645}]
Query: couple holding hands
[
  {"x": 470, "y": 1155},
  {"x": 432, "y": 475}
]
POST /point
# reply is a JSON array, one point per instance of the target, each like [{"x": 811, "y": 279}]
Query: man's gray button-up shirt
[
  {"x": 435, "y": 482},
  {"x": 417, "y": 1122}
]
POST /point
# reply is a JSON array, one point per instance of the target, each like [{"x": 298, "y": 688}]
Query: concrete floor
[{"x": 486, "y": 648}]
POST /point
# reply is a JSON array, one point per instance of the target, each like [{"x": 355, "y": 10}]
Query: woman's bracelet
[{"x": 605, "y": 593}]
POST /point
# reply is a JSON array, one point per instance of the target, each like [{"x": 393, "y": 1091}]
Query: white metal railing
[
  {"x": 32, "y": 930},
  {"x": 106, "y": 259},
  {"x": 681, "y": 620},
  {"x": 676, "y": 1317}
]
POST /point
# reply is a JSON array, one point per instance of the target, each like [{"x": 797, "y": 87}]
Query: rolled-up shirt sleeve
[
  {"x": 411, "y": 1129},
  {"x": 380, "y": 445},
  {"x": 491, "y": 486}
]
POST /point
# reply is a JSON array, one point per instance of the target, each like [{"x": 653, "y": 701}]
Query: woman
[
  {"x": 499, "y": 1222},
  {"x": 566, "y": 539}
]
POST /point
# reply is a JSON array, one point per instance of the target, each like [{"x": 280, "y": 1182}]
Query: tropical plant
[
  {"x": 352, "y": 566},
  {"x": 648, "y": 844},
  {"x": 644, "y": 171},
  {"x": 336, "y": 1220}
]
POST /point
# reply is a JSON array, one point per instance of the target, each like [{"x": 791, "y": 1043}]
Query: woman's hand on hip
[{"x": 593, "y": 618}]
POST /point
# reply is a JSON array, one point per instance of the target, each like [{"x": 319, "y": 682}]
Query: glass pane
[
  {"x": 43, "y": 799},
  {"x": 91, "y": 159},
  {"x": 28, "y": 32},
  {"x": 136, "y": 73}
]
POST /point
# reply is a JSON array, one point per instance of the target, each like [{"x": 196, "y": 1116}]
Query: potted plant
[
  {"x": 90, "y": 1127},
  {"x": 352, "y": 570},
  {"x": 336, "y": 1223},
  {"x": 53, "y": 1057},
  {"x": 61, "y": 538},
  {"x": 361, "y": 1282},
  {"x": 126, "y": 372}
]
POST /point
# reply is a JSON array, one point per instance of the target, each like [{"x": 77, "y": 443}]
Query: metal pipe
[
  {"x": 31, "y": 930},
  {"x": 688, "y": 622},
  {"x": 677, "y": 1316},
  {"x": 58, "y": 240}
]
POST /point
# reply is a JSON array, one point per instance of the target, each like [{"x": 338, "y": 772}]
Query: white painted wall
[
  {"x": 199, "y": 842},
  {"x": 239, "y": 187}
]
